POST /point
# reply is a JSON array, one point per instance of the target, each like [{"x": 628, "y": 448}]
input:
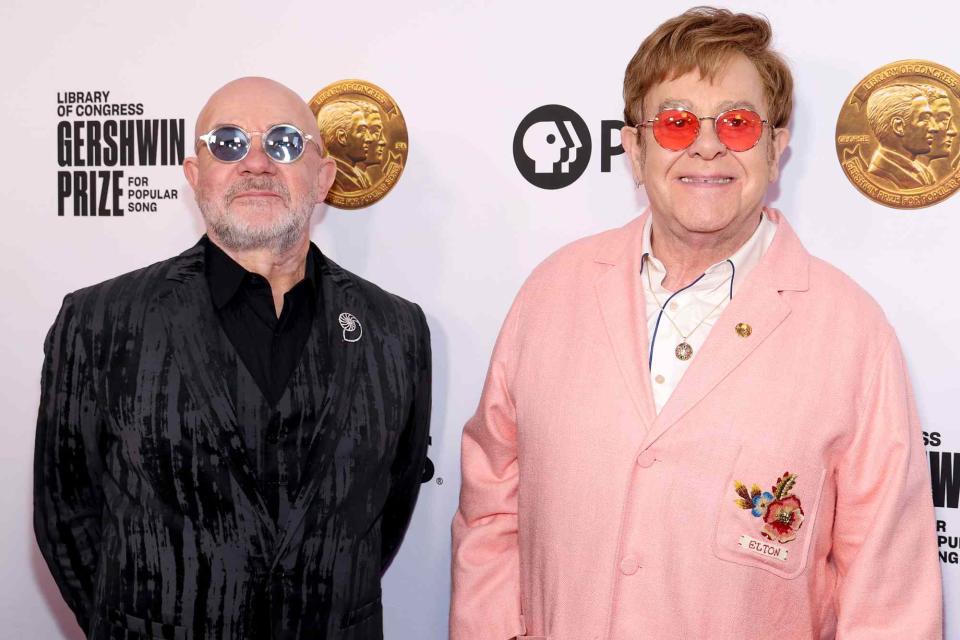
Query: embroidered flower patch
[{"x": 780, "y": 509}]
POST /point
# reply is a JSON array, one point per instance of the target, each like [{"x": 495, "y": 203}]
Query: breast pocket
[{"x": 768, "y": 512}]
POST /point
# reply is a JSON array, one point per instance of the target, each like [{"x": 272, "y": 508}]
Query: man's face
[
  {"x": 258, "y": 203},
  {"x": 943, "y": 139},
  {"x": 918, "y": 132},
  {"x": 377, "y": 139},
  {"x": 358, "y": 140},
  {"x": 706, "y": 188}
]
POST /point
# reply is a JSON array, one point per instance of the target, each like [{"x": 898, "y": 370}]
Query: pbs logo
[{"x": 552, "y": 146}]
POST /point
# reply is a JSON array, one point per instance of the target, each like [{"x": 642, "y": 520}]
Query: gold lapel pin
[{"x": 743, "y": 330}]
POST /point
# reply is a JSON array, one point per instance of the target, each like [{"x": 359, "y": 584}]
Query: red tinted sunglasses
[{"x": 676, "y": 129}]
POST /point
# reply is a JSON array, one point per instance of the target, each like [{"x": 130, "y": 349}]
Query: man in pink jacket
[{"x": 691, "y": 428}]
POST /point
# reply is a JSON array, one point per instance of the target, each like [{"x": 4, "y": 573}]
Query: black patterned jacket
[{"x": 146, "y": 507}]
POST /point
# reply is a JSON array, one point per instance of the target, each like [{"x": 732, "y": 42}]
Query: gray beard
[{"x": 278, "y": 236}]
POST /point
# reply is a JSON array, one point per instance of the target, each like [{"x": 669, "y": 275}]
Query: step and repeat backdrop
[{"x": 453, "y": 205}]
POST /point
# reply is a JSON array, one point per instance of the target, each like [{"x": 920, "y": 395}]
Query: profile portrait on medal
[
  {"x": 943, "y": 157},
  {"x": 905, "y": 127},
  {"x": 353, "y": 131}
]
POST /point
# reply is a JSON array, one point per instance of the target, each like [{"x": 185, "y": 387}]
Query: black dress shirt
[{"x": 270, "y": 347}]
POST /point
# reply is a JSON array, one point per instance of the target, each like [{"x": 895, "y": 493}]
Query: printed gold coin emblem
[
  {"x": 366, "y": 135},
  {"x": 897, "y": 134}
]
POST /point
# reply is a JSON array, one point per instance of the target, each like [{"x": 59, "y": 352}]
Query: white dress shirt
[{"x": 704, "y": 300}]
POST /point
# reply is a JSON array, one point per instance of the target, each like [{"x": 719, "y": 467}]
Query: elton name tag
[{"x": 764, "y": 549}]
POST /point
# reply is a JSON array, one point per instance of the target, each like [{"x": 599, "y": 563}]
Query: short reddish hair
[{"x": 705, "y": 38}]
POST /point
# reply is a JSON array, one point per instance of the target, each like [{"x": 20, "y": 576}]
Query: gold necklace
[{"x": 683, "y": 351}]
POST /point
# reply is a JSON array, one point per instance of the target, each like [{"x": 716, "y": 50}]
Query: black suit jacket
[{"x": 146, "y": 508}]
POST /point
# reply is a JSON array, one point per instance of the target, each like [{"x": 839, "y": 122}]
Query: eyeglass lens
[
  {"x": 228, "y": 144},
  {"x": 283, "y": 143},
  {"x": 737, "y": 129}
]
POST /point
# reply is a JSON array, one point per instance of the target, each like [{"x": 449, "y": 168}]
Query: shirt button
[
  {"x": 660, "y": 379},
  {"x": 629, "y": 565},
  {"x": 674, "y": 306},
  {"x": 646, "y": 459}
]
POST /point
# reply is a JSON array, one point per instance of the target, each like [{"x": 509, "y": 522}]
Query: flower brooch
[{"x": 780, "y": 509}]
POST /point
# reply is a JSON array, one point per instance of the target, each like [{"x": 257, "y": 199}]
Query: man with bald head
[{"x": 230, "y": 442}]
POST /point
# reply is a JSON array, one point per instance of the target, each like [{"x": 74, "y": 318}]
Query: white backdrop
[{"x": 462, "y": 228}]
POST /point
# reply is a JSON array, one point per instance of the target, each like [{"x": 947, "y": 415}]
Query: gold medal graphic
[
  {"x": 897, "y": 134},
  {"x": 366, "y": 135}
]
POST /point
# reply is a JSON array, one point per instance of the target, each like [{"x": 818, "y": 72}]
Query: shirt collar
[
  {"x": 226, "y": 276},
  {"x": 736, "y": 267}
]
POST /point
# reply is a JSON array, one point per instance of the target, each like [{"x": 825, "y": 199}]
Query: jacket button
[
  {"x": 629, "y": 565},
  {"x": 646, "y": 459}
]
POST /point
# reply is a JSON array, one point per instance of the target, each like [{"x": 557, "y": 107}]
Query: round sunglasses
[
  {"x": 283, "y": 143},
  {"x": 677, "y": 129}
]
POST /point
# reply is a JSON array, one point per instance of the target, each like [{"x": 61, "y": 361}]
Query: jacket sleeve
[
  {"x": 407, "y": 469},
  {"x": 884, "y": 541},
  {"x": 67, "y": 497},
  {"x": 485, "y": 600}
]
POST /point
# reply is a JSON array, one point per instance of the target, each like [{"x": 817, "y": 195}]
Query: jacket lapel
[
  {"x": 622, "y": 307},
  {"x": 195, "y": 336},
  {"x": 341, "y": 354},
  {"x": 785, "y": 267}
]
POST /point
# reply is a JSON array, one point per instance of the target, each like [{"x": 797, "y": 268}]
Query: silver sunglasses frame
[{"x": 207, "y": 138}]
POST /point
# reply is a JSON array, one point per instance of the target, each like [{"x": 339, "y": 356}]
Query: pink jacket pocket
[{"x": 768, "y": 512}]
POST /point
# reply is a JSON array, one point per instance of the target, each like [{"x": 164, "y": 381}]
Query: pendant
[{"x": 683, "y": 351}]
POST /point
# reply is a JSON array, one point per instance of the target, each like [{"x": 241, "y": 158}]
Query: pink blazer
[{"x": 782, "y": 492}]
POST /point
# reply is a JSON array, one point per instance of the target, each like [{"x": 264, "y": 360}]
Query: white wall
[{"x": 462, "y": 228}]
